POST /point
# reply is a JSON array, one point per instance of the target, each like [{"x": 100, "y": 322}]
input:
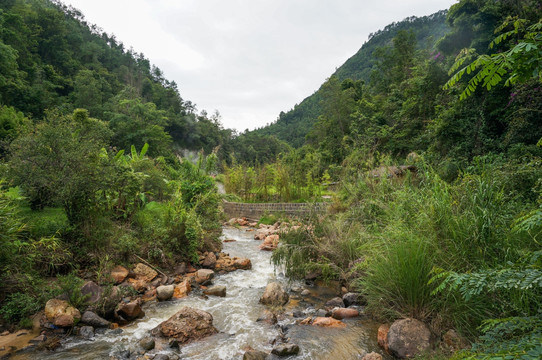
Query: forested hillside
[{"x": 292, "y": 126}]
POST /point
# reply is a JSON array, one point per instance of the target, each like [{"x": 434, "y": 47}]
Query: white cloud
[{"x": 248, "y": 59}]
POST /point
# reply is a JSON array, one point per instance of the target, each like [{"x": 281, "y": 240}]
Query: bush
[{"x": 20, "y": 306}]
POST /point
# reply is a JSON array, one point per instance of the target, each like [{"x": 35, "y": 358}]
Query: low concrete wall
[{"x": 256, "y": 210}]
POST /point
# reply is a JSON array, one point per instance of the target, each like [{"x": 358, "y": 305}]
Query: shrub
[{"x": 19, "y": 306}]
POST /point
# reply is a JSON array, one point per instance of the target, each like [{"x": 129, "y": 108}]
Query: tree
[
  {"x": 518, "y": 64},
  {"x": 60, "y": 163}
]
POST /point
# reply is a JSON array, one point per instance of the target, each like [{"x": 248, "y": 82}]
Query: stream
[{"x": 235, "y": 317}]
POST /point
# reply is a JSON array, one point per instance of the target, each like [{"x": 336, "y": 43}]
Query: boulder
[
  {"x": 182, "y": 289},
  {"x": 110, "y": 298},
  {"x": 452, "y": 341},
  {"x": 92, "y": 292},
  {"x": 119, "y": 274},
  {"x": 352, "y": 299},
  {"x": 285, "y": 350},
  {"x": 216, "y": 291},
  {"x": 130, "y": 311},
  {"x": 209, "y": 261},
  {"x": 139, "y": 285},
  {"x": 225, "y": 263},
  {"x": 86, "y": 332},
  {"x": 335, "y": 302},
  {"x": 204, "y": 276},
  {"x": 144, "y": 272},
  {"x": 254, "y": 355},
  {"x": 164, "y": 292},
  {"x": 372, "y": 356},
  {"x": 180, "y": 269},
  {"x": 382, "y": 337},
  {"x": 60, "y": 313},
  {"x": 150, "y": 295},
  {"x": 147, "y": 343},
  {"x": 408, "y": 338},
  {"x": 274, "y": 295},
  {"x": 344, "y": 313},
  {"x": 328, "y": 322},
  {"x": 92, "y": 319},
  {"x": 187, "y": 325}
]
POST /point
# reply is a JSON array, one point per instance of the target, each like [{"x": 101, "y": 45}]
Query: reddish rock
[
  {"x": 328, "y": 322},
  {"x": 383, "y": 336},
  {"x": 182, "y": 289},
  {"x": 229, "y": 240},
  {"x": 119, "y": 274},
  {"x": 408, "y": 338},
  {"x": 92, "y": 291},
  {"x": 344, "y": 313},
  {"x": 187, "y": 325},
  {"x": 190, "y": 269},
  {"x": 138, "y": 285},
  {"x": 130, "y": 311},
  {"x": 268, "y": 317},
  {"x": 149, "y": 295}
]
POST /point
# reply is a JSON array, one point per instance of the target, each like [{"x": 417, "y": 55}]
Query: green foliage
[
  {"x": 520, "y": 63},
  {"x": 70, "y": 286},
  {"x": 19, "y": 306}
]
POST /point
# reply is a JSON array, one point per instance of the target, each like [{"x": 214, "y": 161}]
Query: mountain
[{"x": 295, "y": 124}]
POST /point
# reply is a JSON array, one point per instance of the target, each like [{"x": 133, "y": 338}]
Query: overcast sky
[{"x": 248, "y": 59}]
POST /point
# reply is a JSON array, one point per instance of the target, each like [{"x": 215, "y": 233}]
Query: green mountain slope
[{"x": 295, "y": 124}]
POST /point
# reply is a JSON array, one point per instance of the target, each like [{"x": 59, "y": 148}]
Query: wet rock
[
  {"x": 268, "y": 317},
  {"x": 130, "y": 311},
  {"x": 344, "y": 313},
  {"x": 408, "y": 337},
  {"x": 216, "y": 291},
  {"x": 372, "y": 356},
  {"x": 285, "y": 350},
  {"x": 298, "y": 313},
  {"x": 37, "y": 340},
  {"x": 254, "y": 355},
  {"x": 225, "y": 263},
  {"x": 92, "y": 319},
  {"x": 209, "y": 261},
  {"x": 164, "y": 292},
  {"x": 305, "y": 292},
  {"x": 322, "y": 313},
  {"x": 144, "y": 272},
  {"x": 110, "y": 298},
  {"x": 274, "y": 295},
  {"x": 182, "y": 289},
  {"x": 147, "y": 343},
  {"x": 60, "y": 313},
  {"x": 162, "y": 357},
  {"x": 86, "y": 332},
  {"x": 119, "y": 274},
  {"x": 271, "y": 242},
  {"x": 382, "y": 337},
  {"x": 187, "y": 325},
  {"x": 352, "y": 299},
  {"x": 204, "y": 276},
  {"x": 335, "y": 302},
  {"x": 149, "y": 295},
  {"x": 328, "y": 322}
]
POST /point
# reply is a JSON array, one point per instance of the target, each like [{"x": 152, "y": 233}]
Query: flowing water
[{"x": 235, "y": 317}]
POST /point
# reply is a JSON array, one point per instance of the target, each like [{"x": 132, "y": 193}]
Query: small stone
[
  {"x": 164, "y": 292},
  {"x": 216, "y": 291},
  {"x": 372, "y": 356},
  {"x": 130, "y": 311},
  {"x": 285, "y": 350},
  {"x": 298, "y": 313},
  {"x": 344, "y": 313},
  {"x": 254, "y": 355},
  {"x": 86, "y": 332},
  {"x": 147, "y": 343},
  {"x": 267, "y": 317},
  {"x": 382, "y": 337},
  {"x": 274, "y": 295},
  {"x": 305, "y": 292},
  {"x": 351, "y": 298},
  {"x": 209, "y": 261},
  {"x": 328, "y": 322},
  {"x": 182, "y": 289},
  {"x": 335, "y": 302},
  {"x": 322, "y": 313},
  {"x": 119, "y": 274},
  {"x": 204, "y": 276},
  {"x": 161, "y": 357},
  {"x": 93, "y": 319}
]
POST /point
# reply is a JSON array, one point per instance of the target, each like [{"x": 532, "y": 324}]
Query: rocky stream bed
[{"x": 241, "y": 327}]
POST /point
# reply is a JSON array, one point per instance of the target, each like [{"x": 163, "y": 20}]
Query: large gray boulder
[
  {"x": 408, "y": 338},
  {"x": 164, "y": 292},
  {"x": 274, "y": 295},
  {"x": 92, "y": 319}
]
